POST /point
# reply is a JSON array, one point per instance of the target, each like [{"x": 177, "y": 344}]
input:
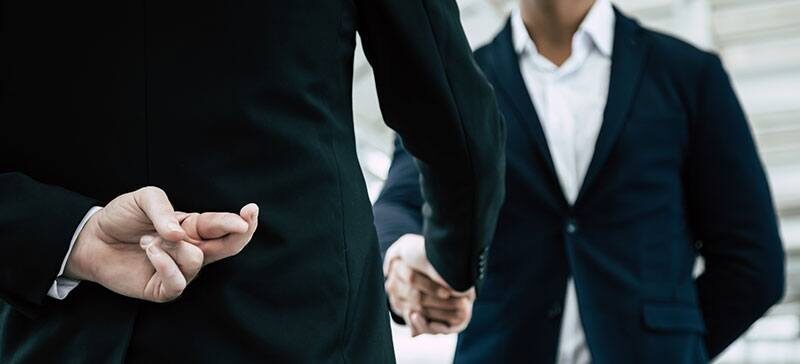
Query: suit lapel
[
  {"x": 627, "y": 64},
  {"x": 510, "y": 82}
]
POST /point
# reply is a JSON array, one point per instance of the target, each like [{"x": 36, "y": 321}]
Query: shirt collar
[
  {"x": 598, "y": 24},
  {"x": 519, "y": 34}
]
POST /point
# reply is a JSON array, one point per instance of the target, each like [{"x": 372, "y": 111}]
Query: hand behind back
[{"x": 138, "y": 246}]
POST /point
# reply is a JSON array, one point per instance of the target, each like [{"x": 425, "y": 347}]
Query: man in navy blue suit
[{"x": 628, "y": 156}]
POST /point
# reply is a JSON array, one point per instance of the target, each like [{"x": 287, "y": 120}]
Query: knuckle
[
  {"x": 391, "y": 286},
  {"x": 416, "y": 297},
  {"x": 199, "y": 258},
  {"x": 195, "y": 256},
  {"x": 410, "y": 276},
  {"x": 396, "y": 304},
  {"x": 425, "y": 300},
  {"x": 147, "y": 189},
  {"x": 466, "y": 306},
  {"x": 196, "y": 260},
  {"x": 176, "y": 291},
  {"x": 468, "y": 311},
  {"x": 155, "y": 192}
]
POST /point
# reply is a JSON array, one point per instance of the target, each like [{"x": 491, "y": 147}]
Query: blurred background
[{"x": 759, "y": 41}]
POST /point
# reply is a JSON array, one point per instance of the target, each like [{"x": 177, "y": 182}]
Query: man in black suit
[
  {"x": 219, "y": 104},
  {"x": 628, "y": 156}
]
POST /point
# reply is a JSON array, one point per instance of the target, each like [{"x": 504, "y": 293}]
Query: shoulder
[
  {"x": 678, "y": 56},
  {"x": 677, "y": 65},
  {"x": 696, "y": 74}
]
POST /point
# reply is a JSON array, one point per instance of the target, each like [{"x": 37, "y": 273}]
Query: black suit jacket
[
  {"x": 221, "y": 103},
  {"x": 675, "y": 174}
]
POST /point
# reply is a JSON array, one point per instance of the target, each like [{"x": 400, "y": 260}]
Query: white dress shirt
[
  {"x": 62, "y": 286},
  {"x": 570, "y": 100}
]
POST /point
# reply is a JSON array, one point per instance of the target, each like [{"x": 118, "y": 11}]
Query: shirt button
[{"x": 571, "y": 227}]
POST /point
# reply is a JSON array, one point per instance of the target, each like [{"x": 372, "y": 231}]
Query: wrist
[{"x": 81, "y": 259}]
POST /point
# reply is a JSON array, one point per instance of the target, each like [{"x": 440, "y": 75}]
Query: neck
[{"x": 552, "y": 23}]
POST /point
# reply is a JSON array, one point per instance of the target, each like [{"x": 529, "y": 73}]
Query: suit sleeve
[
  {"x": 433, "y": 94},
  {"x": 731, "y": 214},
  {"x": 398, "y": 210},
  {"x": 37, "y": 222}
]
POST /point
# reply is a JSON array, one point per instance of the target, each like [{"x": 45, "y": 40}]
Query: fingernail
[
  {"x": 442, "y": 293},
  {"x": 146, "y": 241}
]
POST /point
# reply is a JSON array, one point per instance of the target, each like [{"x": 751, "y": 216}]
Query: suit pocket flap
[{"x": 673, "y": 317}]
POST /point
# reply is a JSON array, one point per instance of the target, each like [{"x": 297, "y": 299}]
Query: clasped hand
[
  {"x": 140, "y": 247},
  {"x": 419, "y": 294}
]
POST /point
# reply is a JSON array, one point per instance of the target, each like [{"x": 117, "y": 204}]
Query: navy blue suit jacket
[{"x": 675, "y": 174}]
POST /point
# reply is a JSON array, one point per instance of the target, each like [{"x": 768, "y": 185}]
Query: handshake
[
  {"x": 138, "y": 246},
  {"x": 419, "y": 294}
]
